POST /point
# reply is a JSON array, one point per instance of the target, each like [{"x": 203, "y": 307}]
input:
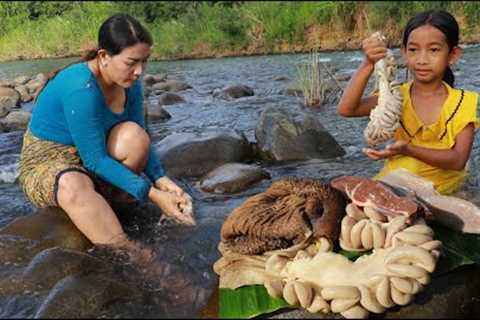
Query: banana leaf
[
  {"x": 250, "y": 301},
  {"x": 247, "y": 302}
]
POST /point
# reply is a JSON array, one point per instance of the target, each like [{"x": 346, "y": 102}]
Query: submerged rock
[
  {"x": 50, "y": 226},
  {"x": 232, "y": 177},
  {"x": 80, "y": 296}
]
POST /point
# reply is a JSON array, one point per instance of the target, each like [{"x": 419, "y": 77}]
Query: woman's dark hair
[
  {"x": 443, "y": 21},
  {"x": 118, "y": 32}
]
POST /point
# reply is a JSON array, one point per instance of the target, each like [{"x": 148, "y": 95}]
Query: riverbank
[
  {"x": 233, "y": 54},
  {"x": 222, "y": 29}
]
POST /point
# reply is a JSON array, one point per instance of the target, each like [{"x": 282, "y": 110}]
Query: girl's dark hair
[
  {"x": 118, "y": 32},
  {"x": 443, "y": 21}
]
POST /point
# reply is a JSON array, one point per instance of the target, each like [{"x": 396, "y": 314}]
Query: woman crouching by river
[{"x": 87, "y": 140}]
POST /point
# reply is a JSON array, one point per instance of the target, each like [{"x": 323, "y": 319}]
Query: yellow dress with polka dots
[{"x": 458, "y": 110}]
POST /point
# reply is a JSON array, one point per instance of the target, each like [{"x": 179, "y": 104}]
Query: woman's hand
[
  {"x": 166, "y": 184},
  {"x": 398, "y": 147},
  {"x": 374, "y": 49},
  {"x": 170, "y": 203}
]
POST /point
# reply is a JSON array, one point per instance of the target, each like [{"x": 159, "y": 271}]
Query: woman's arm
[
  {"x": 451, "y": 159},
  {"x": 85, "y": 123},
  {"x": 153, "y": 168}
]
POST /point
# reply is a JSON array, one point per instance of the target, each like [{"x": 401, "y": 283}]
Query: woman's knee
[
  {"x": 73, "y": 187},
  {"x": 128, "y": 139}
]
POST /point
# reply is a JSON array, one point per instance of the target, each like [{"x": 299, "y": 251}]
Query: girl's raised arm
[{"x": 352, "y": 104}]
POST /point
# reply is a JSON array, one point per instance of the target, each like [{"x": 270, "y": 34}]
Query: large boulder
[
  {"x": 282, "y": 135},
  {"x": 193, "y": 155}
]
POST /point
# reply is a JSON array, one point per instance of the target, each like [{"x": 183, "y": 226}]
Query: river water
[{"x": 195, "y": 248}]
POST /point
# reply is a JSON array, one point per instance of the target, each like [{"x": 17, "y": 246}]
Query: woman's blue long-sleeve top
[{"x": 72, "y": 110}]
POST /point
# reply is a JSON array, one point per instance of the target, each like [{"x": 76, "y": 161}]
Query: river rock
[
  {"x": 53, "y": 264},
  {"x": 193, "y": 155},
  {"x": 236, "y": 91},
  {"x": 9, "y": 99},
  {"x": 283, "y": 135},
  {"x": 169, "y": 98},
  {"x": 171, "y": 85},
  {"x": 7, "y": 84},
  {"x": 33, "y": 86},
  {"x": 232, "y": 177},
  {"x": 50, "y": 226},
  {"x": 155, "y": 112},
  {"x": 25, "y": 96},
  {"x": 151, "y": 79},
  {"x": 80, "y": 296},
  {"x": 21, "y": 80},
  {"x": 148, "y": 80},
  {"x": 17, "y": 119}
]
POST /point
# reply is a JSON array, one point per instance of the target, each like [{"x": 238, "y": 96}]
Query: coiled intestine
[{"x": 385, "y": 117}]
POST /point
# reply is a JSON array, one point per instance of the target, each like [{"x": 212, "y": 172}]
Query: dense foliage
[{"x": 208, "y": 28}]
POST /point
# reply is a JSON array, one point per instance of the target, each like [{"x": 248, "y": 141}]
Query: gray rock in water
[
  {"x": 51, "y": 265},
  {"x": 17, "y": 119},
  {"x": 193, "y": 155},
  {"x": 155, "y": 112},
  {"x": 151, "y": 79},
  {"x": 171, "y": 85},
  {"x": 232, "y": 177},
  {"x": 25, "y": 96},
  {"x": 51, "y": 227},
  {"x": 169, "y": 98},
  {"x": 9, "y": 99},
  {"x": 21, "y": 80},
  {"x": 235, "y": 92},
  {"x": 80, "y": 296},
  {"x": 282, "y": 135}
]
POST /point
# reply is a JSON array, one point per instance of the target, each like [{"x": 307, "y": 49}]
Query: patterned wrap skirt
[{"x": 43, "y": 162}]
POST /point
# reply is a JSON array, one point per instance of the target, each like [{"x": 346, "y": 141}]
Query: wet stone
[{"x": 232, "y": 177}]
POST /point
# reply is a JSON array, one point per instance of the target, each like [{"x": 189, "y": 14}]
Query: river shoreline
[{"x": 228, "y": 53}]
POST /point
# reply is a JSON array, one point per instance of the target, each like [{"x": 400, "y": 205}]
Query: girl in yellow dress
[{"x": 438, "y": 121}]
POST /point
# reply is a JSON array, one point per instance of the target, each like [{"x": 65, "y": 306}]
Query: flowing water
[{"x": 194, "y": 249}]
